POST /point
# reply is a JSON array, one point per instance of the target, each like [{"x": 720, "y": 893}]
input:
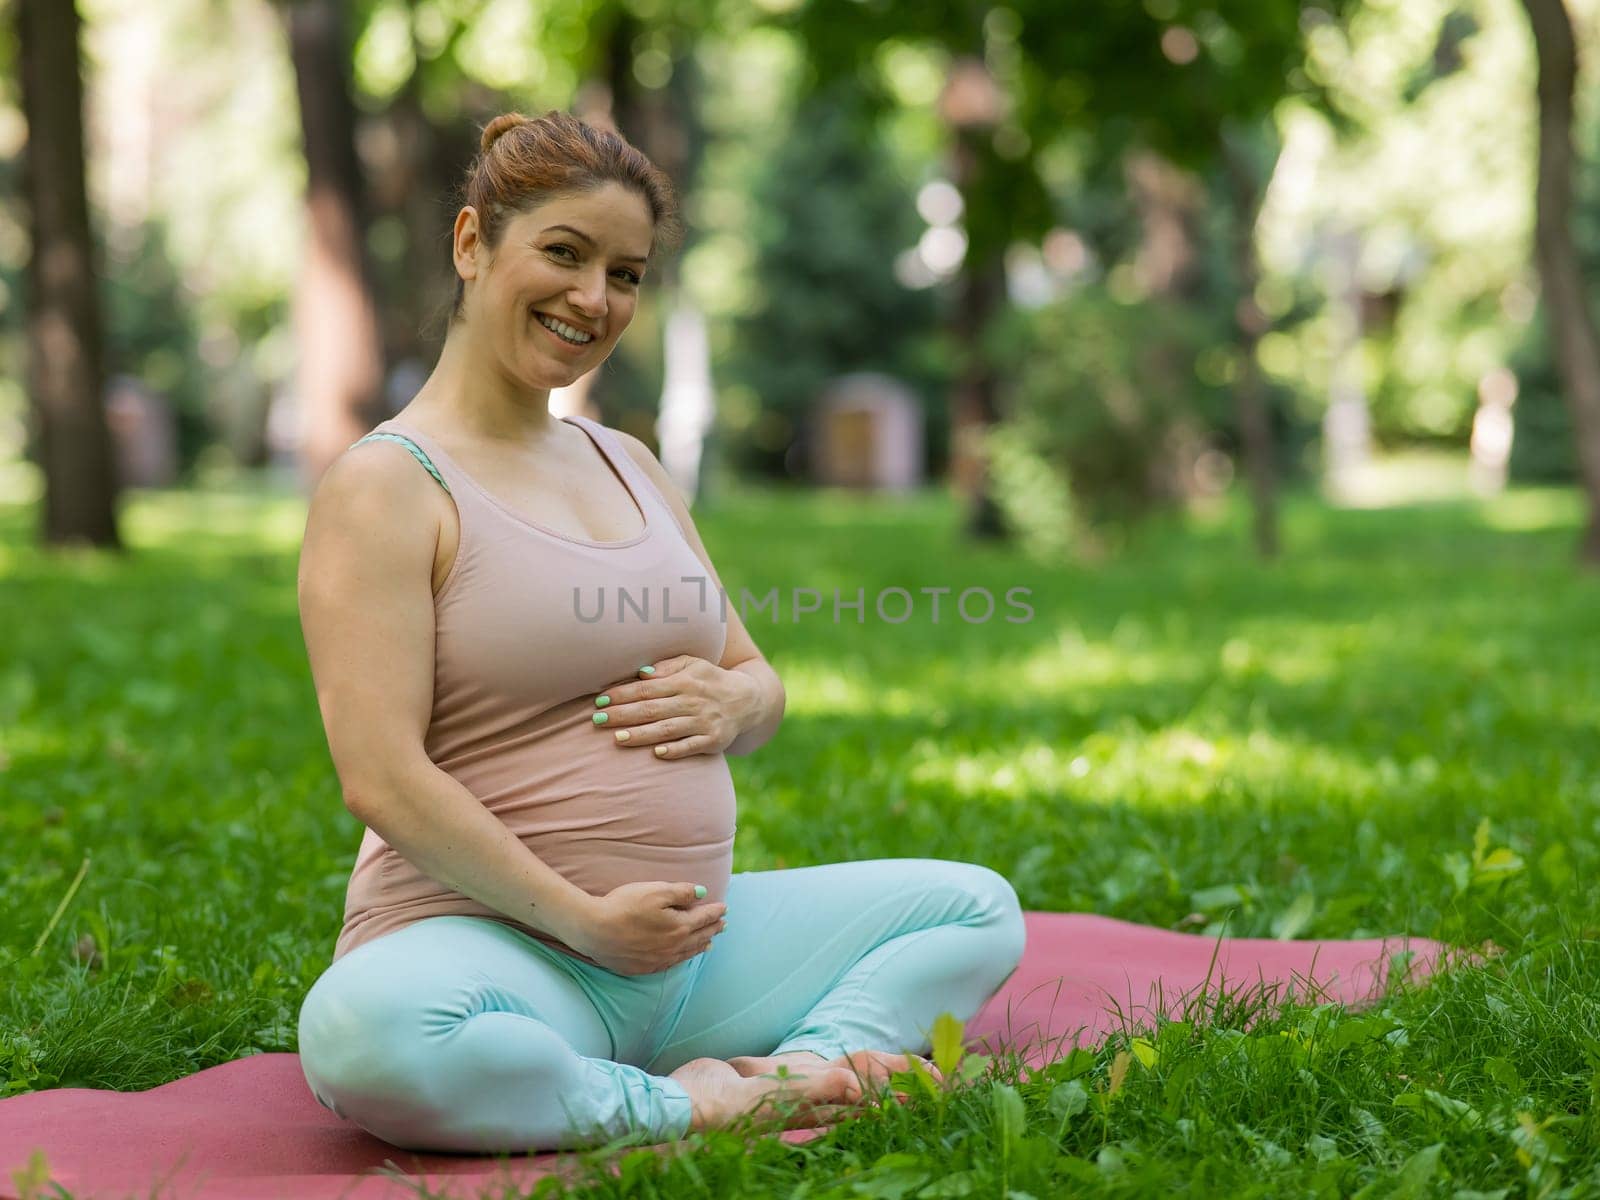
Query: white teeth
[{"x": 576, "y": 336}]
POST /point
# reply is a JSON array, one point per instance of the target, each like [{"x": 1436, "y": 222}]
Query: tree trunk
[
  {"x": 974, "y": 408},
  {"x": 66, "y": 357},
  {"x": 663, "y": 123},
  {"x": 432, "y": 159},
  {"x": 1573, "y": 339},
  {"x": 414, "y": 182},
  {"x": 412, "y": 196},
  {"x": 1250, "y": 323},
  {"x": 341, "y": 368}
]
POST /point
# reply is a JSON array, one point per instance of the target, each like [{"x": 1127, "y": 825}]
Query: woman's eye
[{"x": 631, "y": 276}]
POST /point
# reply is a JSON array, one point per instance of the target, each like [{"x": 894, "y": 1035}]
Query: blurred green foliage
[
  {"x": 1425, "y": 153},
  {"x": 1107, "y": 396}
]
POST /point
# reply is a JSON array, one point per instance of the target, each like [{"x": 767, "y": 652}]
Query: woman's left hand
[{"x": 688, "y": 706}]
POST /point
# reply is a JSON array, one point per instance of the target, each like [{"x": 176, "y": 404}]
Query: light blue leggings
[{"x": 458, "y": 1033}]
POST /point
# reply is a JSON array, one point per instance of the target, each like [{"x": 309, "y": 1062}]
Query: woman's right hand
[{"x": 642, "y": 928}]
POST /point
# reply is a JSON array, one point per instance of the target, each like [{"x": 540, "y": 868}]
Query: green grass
[{"x": 1177, "y": 736}]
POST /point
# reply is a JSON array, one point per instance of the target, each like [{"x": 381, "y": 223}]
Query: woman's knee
[
  {"x": 360, "y": 1042},
  {"x": 1000, "y": 911},
  {"x": 422, "y": 1069}
]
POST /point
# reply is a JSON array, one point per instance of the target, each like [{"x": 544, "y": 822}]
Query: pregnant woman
[{"x": 530, "y": 679}]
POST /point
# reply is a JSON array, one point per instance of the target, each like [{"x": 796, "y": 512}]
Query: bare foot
[
  {"x": 720, "y": 1094},
  {"x": 795, "y": 1060},
  {"x": 874, "y": 1067}
]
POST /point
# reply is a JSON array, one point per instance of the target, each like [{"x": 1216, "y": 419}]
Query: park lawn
[{"x": 1397, "y": 729}]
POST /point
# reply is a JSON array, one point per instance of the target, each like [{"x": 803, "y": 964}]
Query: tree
[
  {"x": 1168, "y": 75},
  {"x": 341, "y": 361},
  {"x": 66, "y": 359},
  {"x": 1250, "y": 324},
  {"x": 1575, "y": 343}
]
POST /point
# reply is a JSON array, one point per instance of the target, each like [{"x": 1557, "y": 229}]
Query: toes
[
  {"x": 879, "y": 1065},
  {"x": 872, "y": 1064},
  {"x": 842, "y": 1085},
  {"x": 926, "y": 1064},
  {"x": 819, "y": 1098}
]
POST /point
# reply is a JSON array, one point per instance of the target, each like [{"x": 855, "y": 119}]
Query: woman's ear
[{"x": 467, "y": 243}]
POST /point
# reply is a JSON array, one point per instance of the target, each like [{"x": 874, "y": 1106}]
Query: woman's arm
[
  {"x": 366, "y": 611},
  {"x": 740, "y": 654},
  {"x": 769, "y": 704}
]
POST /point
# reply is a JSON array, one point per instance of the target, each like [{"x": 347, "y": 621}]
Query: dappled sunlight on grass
[
  {"x": 845, "y": 508},
  {"x": 1072, "y": 663},
  {"x": 1159, "y": 769},
  {"x": 1529, "y": 509},
  {"x": 1070, "y": 668},
  {"x": 814, "y": 689},
  {"x": 214, "y": 521},
  {"x": 21, "y": 743},
  {"x": 1408, "y": 477}
]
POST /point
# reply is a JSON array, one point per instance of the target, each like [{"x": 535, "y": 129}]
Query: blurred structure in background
[{"x": 867, "y": 434}]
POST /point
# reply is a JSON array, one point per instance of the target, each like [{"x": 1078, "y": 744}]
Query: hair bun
[{"x": 499, "y": 125}]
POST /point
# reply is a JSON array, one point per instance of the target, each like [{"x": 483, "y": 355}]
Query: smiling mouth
[{"x": 567, "y": 333}]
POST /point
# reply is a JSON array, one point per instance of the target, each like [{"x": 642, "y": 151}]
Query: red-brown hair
[{"x": 524, "y": 162}]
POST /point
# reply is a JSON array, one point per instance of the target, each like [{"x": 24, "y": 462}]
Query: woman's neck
[{"x": 465, "y": 393}]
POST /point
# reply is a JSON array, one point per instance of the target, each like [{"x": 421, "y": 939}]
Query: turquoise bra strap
[{"x": 416, "y": 452}]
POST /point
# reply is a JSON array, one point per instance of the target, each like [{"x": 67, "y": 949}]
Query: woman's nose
[{"x": 589, "y": 296}]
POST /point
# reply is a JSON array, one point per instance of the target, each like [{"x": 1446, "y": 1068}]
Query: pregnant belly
[{"x": 602, "y": 814}]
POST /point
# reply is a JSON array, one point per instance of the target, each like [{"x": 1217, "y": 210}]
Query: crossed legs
[{"x": 462, "y": 1034}]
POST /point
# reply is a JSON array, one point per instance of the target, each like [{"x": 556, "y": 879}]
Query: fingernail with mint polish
[
  {"x": 601, "y": 701},
  {"x": 600, "y": 718},
  {"x": 647, "y": 670}
]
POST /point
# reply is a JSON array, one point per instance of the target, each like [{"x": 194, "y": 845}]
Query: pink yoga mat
[{"x": 251, "y": 1130}]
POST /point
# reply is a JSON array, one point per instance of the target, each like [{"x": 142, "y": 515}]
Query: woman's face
[{"x": 576, "y": 260}]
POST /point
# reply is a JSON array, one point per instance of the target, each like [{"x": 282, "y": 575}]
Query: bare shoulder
[
  {"x": 378, "y": 480},
  {"x": 372, "y": 507},
  {"x": 379, "y": 463}
]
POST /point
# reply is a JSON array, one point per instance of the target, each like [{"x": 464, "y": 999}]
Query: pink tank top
[{"x": 519, "y": 658}]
